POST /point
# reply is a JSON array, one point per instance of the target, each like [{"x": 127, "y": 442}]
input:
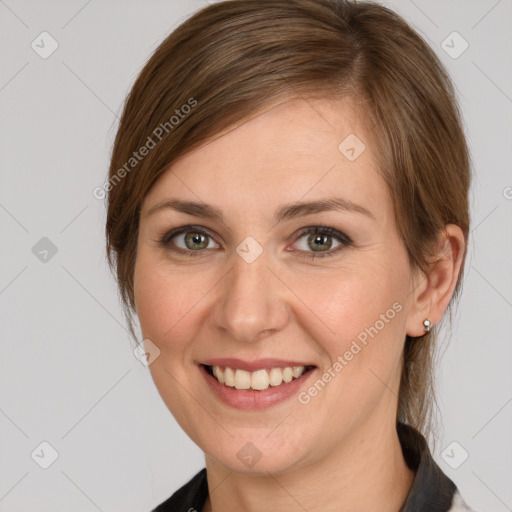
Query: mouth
[
  {"x": 257, "y": 380},
  {"x": 257, "y": 384}
]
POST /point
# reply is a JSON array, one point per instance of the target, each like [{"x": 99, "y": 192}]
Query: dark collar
[{"x": 431, "y": 491}]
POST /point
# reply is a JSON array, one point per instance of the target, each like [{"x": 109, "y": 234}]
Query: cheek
[
  {"x": 150, "y": 299},
  {"x": 170, "y": 302},
  {"x": 362, "y": 356},
  {"x": 362, "y": 314},
  {"x": 159, "y": 300}
]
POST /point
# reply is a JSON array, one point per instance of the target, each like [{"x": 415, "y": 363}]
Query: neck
[{"x": 367, "y": 473}]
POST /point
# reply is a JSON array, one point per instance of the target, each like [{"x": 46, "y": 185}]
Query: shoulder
[
  {"x": 188, "y": 498},
  {"x": 431, "y": 490},
  {"x": 458, "y": 504}
]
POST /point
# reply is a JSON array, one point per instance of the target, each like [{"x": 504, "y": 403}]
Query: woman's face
[{"x": 254, "y": 291}]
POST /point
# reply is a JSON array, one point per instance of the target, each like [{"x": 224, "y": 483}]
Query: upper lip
[{"x": 252, "y": 366}]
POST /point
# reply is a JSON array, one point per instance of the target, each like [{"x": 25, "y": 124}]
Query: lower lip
[{"x": 252, "y": 399}]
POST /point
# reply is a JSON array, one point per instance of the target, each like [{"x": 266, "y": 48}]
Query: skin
[{"x": 341, "y": 450}]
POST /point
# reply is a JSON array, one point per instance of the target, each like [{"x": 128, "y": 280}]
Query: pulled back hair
[{"x": 233, "y": 58}]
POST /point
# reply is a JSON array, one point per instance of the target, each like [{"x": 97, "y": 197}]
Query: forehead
[{"x": 305, "y": 148}]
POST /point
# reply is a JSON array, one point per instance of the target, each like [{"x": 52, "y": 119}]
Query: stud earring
[{"x": 428, "y": 325}]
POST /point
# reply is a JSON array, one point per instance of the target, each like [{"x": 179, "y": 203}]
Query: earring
[{"x": 427, "y": 324}]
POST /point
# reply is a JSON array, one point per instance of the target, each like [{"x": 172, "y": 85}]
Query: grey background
[{"x": 67, "y": 371}]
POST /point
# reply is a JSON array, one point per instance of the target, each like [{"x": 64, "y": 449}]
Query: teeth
[
  {"x": 242, "y": 379},
  {"x": 276, "y": 376},
  {"x": 297, "y": 371},
  {"x": 259, "y": 379},
  {"x": 229, "y": 376},
  {"x": 218, "y": 374}
]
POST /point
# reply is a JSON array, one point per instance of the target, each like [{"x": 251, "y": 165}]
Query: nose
[{"x": 251, "y": 302}]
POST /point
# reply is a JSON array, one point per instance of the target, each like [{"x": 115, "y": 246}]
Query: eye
[
  {"x": 313, "y": 242},
  {"x": 188, "y": 240},
  {"x": 318, "y": 242}
]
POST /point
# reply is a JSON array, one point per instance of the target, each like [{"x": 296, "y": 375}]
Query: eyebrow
[{"x": 286, "y": 212}]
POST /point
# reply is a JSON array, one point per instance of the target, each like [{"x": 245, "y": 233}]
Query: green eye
[
  {"x": 188, "y": 240},
  {"x": 195, "y": 241},
  {"x": 192, "y": 240},
  {"x": 320, "y": 240}
]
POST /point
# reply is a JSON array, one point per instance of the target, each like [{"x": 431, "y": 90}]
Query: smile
[
  {"x": 258, "y": 380},
  {"x": 257, "y": 384}
]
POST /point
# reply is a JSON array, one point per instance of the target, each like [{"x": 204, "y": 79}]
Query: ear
[{"x": 432, "y": 292}]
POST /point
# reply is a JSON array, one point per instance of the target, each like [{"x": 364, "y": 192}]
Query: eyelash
[{"x": 345, "y": 241}]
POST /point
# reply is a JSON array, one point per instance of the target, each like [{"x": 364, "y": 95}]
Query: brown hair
[{"x": 235, "y": 57}]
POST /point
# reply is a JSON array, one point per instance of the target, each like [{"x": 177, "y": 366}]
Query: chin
[
  {"x": 256, "y": 453},
  {"x": 256, "y": 463}
]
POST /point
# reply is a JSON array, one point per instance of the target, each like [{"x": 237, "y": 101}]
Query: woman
[{"x": 288, "y": 218}]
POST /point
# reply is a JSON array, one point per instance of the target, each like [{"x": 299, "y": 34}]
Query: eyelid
[
  {"x": 184, "y": 229},
  {"x": 344, "y": 240},
  {"x": 325, "y": 230}
]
